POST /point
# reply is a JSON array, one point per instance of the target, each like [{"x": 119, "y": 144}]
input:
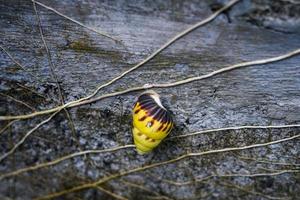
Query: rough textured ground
[{"x": 257, "y": 95}]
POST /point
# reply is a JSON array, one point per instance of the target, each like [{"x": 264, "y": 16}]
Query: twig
[
  {"x": 35, "y": 92},
  {"x": 139, "y": 169},
  {"x": 268, "y": 161},
  {"x": 51, "y": 65},
  {"x": 153, "y": 197},
  {"x": 164, "y": 85},
  {"x": 233, "y": 128},
  {"x": 199, "y": 180},
  {"x": 183, "y": 183},
  {"x": 42, "y": 165},
  {"x": 270, "y": 170},
  {"x": 164, "y": 46},
  {"x": 141, "y": 187},
  {"x": 199, "y": 196},
  {"x": 19, "y": 65},
  {"x": 76, "y": 22},
  {"x": 54, "y": 162},
  {"x": 251, "y": 192},
  {"x": 259, "y": 174},
  {"x": 18, "y": 101},
  {"x": 8, "y": 125},
  {"x": 171, "y": 41},
  {"x": 11, "y": 151},
  {"x": 47, "y": 140},
  {"x": 111, "y": 193},
  {"x": 61, "y": 159}
]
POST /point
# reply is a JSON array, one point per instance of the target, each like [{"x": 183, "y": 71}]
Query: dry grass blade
[
  {"x": 164, "y": 85},
  {"x": 75, "y": 21},
  {"x": 139, "y": 169}
]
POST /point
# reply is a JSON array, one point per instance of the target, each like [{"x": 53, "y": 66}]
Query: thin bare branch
[
  {"x": 18, "y": 101},
  {"x": 259, "y": 174},
  {"x": 19, "y": 65},
  {"x": 200, "y": 180},
  {"x": 116, "y": 196},
  {"x": 268, "y": 161},
  {"x": 269, "y": 170},
  {"x": 51, "y": 65},
  {"x": 54, "y": 162},
  {"x": 141, "y": 187},
  {"x": 42, "y": 165},
  {"x": 75, "y": 21},
  {"x": 164, "y": 46},
  {"x": 35, "y": 92},
  {"x": 252, "y": 192},
  {"x": 164, "y": 85},
  {"x": 7, "y": 125},
  {"x": 61, "y": 159},
  {"x": 184, "y": 183},
  {"x": 171, "y": 41},
  {"x": 230, "y": 68},
  {"x": 234, "y": 128},
  {"x": 34, "y": 114},
  {"x": 12, "y": 150},
  {"x": 139, "y": 169}
]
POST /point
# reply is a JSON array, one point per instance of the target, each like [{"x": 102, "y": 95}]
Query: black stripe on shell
[
  {"x": 148, "y": 104},
  {"x": 159, "y": 114},
  {"x": 143, "y": 118},
  {"x": 156, "y": 113},
  {"x": 153, "y": 110},
  {"x": 145, "y": 101},
  {"x": 144, "y": 97},
  {"x": 169, "y": 119},
  {"x": 169, "y": 129}
]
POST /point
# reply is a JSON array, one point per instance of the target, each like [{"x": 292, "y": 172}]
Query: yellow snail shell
[{"x": 152, "y": 122}]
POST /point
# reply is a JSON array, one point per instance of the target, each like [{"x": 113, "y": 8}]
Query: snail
[{"x": 152, "y": 122}]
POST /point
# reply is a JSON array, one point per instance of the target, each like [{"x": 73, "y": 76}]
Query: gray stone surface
[{"x": 257, "y": 95}]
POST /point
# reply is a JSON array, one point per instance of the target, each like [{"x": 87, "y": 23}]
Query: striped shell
[{"x": 151, "y": 122}]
